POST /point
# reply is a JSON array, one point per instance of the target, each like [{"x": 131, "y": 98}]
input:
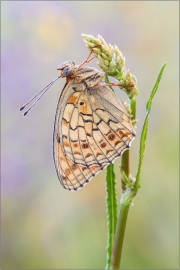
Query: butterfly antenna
[{"x": 45, "y": 90}]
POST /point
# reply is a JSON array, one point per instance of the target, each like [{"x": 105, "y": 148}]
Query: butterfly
[{"x": 91, "y": 129}]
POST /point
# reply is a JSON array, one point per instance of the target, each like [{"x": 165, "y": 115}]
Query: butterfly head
[{"x": 66, "y": 68}]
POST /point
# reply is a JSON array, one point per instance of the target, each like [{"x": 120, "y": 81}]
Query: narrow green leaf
[
  {"x": 145, "y": 126},
  {"x": 149, "y": 102},
  {"x": 111, "y": 209}
]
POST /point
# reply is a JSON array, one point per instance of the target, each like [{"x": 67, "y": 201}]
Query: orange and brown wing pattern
[
  {"x": 92, "y": 130},
  {"x": 112, "y": 120},
  {"x": 72, "y": 176},
  {"x": 73, "y": 172},
  {"x": 73, "y": 162},
  {"x": 78, "y": 120}
]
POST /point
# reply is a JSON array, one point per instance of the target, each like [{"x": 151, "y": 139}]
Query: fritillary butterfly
[{"x": 92, "y": 128}]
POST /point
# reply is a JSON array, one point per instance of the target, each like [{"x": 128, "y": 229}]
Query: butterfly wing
[
  {"x": 92, "y": 128},
  {"x": 72, "y": 170},
  {"x": 111, "y": 123},
  {"x": 72, "y": 176}
]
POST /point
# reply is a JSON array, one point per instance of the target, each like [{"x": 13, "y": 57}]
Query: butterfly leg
[
  {"x": 95, "y": 79},
  {"x": 88, "y": 59},
  {"x": 113, "y": 84}
]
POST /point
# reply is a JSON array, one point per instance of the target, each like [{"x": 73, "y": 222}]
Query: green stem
[
  {"x": 111, "y": 206},
  {"x": 125, "y": 168},
  {"x": 133, "y": 107},
  {"x": 119, "y": 236},
  {"x": 125, "y": 157},
  {"x": 125, "y": 203},
  {"x": 129, "y": 192}
]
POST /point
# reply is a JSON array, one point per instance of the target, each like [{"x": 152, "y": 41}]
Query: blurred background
[{"x": 43, "y": 225}]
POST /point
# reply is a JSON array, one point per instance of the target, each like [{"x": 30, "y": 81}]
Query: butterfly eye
[
  {"x": 66, "y": 71},
  {"x": 81, "y": 103}
]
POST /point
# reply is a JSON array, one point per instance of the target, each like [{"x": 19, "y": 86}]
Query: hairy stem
[
  {"x": 125, "y": 202},
  {"x": 125, "y": 168},
  {"x": 119, "y": 236}
]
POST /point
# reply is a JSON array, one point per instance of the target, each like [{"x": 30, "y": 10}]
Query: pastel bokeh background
[{"x": 43, "y": 225}]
